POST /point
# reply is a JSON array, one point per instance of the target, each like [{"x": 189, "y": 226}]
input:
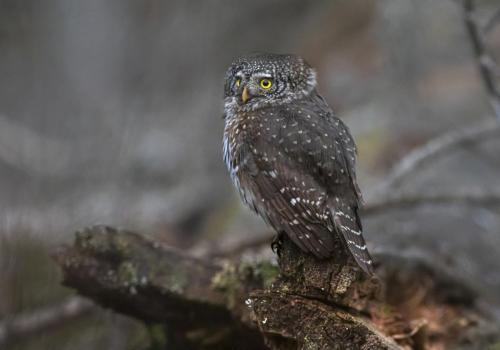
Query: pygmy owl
[{"x": 290, "y": 157}]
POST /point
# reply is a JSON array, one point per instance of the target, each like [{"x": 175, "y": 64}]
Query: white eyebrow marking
[{"x": 265, "y": 74}]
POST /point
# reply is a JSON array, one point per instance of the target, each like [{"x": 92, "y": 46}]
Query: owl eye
[
  {"x": 238, "y": 82},
  {"x": 266, "y": 83}
]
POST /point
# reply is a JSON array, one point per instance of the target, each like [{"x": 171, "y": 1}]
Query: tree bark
[{"x": 303, "y": 303}]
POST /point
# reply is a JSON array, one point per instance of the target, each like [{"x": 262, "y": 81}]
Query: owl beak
[{"x": 245, "y": 95}]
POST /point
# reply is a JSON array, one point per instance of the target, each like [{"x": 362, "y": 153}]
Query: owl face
[{"x": 259, "y": 80}]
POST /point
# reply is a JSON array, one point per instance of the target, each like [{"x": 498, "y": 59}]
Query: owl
[{"x": 291, "y": 159}]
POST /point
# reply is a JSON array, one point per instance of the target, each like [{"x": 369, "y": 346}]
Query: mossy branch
[{"x": 301, "y": 304}]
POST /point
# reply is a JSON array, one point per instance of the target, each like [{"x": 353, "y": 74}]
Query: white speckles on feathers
[{"x": 296, "y": 170}]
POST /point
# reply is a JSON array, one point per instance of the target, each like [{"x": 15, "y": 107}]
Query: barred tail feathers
[{"x": 348, "y": 225}]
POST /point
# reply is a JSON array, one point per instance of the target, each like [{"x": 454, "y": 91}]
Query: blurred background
[{"x": 110, "y": 112}]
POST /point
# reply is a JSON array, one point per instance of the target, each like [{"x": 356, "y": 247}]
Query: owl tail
[
  {"x": 317, "y": 241},
  {"x": 347, "y": 223}
]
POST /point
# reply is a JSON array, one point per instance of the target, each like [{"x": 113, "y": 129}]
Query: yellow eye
[
  {"x": 238, "y": 82},
  {"x": 266, "y": 83}
]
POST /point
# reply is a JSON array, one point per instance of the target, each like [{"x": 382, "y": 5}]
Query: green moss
[
  {"x": 103, "y": 239},
  {"x": 224, "y": 278},
  {"x": 227, "y": 281},
  {"x": 267, "y": 272},
  {"x": 128, "y": 274},
  {"x": 177, "y": 281},
  {"x": 164, "y": 275},
  {"x": 231, "y": 279},
  {"x": 92, "y": 239}
]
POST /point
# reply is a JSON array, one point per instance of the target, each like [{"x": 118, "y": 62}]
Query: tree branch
[
  {"x": 482, "y": 56},
  {"x": 27, "y": 324},
  {"x": 307, "y": 304},
  {"x": 429, "y": 151},
  {"x": 208, "y": 306},
  {"x": 492, "y": 22},
  {"x": 471, "y": 198},
  {"x": 125, "y": 271},
  {"x": 374, "y": 208},
  {"x": 26, "y": 149}
]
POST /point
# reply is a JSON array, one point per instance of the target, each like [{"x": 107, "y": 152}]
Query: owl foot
[{"x": 277, "y": 243}]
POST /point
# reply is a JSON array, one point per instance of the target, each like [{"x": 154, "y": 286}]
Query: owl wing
[
  {"x": 304, "y": 176},
  {"x": 345, "y": 209},
  {"x": 281, "y": 194}
]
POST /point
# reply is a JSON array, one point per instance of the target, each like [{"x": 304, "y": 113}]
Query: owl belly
[{"x": 243, "y": 170}]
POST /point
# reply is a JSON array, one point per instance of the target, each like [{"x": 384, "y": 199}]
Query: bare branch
[
  {"x": 28, "y": 150},
  {"x": 23, "y": 325},
  {"x": 482, "y": 56},
  {"x": 374, "y": 208},
  {"x": 490, "y": 63},
  {"x": 431, "y": 150},
  {"x": 492, "y": 22},
  {"x": 471, "y": 198}
]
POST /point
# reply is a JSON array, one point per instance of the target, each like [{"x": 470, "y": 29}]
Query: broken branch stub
[
  {"x": 335, "y": 280},
  {"x": 315, "y": 304}
]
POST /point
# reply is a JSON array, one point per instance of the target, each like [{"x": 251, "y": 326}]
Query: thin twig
[
  {"x": 26, "y": 149},
  {"x": 492, "y": 65},
  {"x": 492, "y": 22},
  {"x": 26, "y": 324},
  {"x": 431, "y": 150},
  {"x": 405, "y": 202},
  {"x": 482, "y": 56}
]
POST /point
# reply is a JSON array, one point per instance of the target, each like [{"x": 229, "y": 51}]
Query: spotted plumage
[{"x": 290, "y": 157}]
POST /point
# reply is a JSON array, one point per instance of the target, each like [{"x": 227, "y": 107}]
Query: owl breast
[
  {"x": 235, "y": 148},
  {"x": 259, "y": 154}
]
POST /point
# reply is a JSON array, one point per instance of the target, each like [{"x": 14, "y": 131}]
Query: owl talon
[{"x": 277, "y": 243}]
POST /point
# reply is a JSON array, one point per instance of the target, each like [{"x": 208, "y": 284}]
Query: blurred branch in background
[
  {"x": 488, "y": 67},
  {"x": 32, "y": 152},
  {"x": 483, "y": 199},
  {"x": 472, "y": 198},
  {"x": 430, "y": 151},
  {"x": 38, "y": 321},
  {"x": 493, "y": 22}
]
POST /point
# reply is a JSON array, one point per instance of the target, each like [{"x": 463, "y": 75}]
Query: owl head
[{"x": 263, "y": 79}]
